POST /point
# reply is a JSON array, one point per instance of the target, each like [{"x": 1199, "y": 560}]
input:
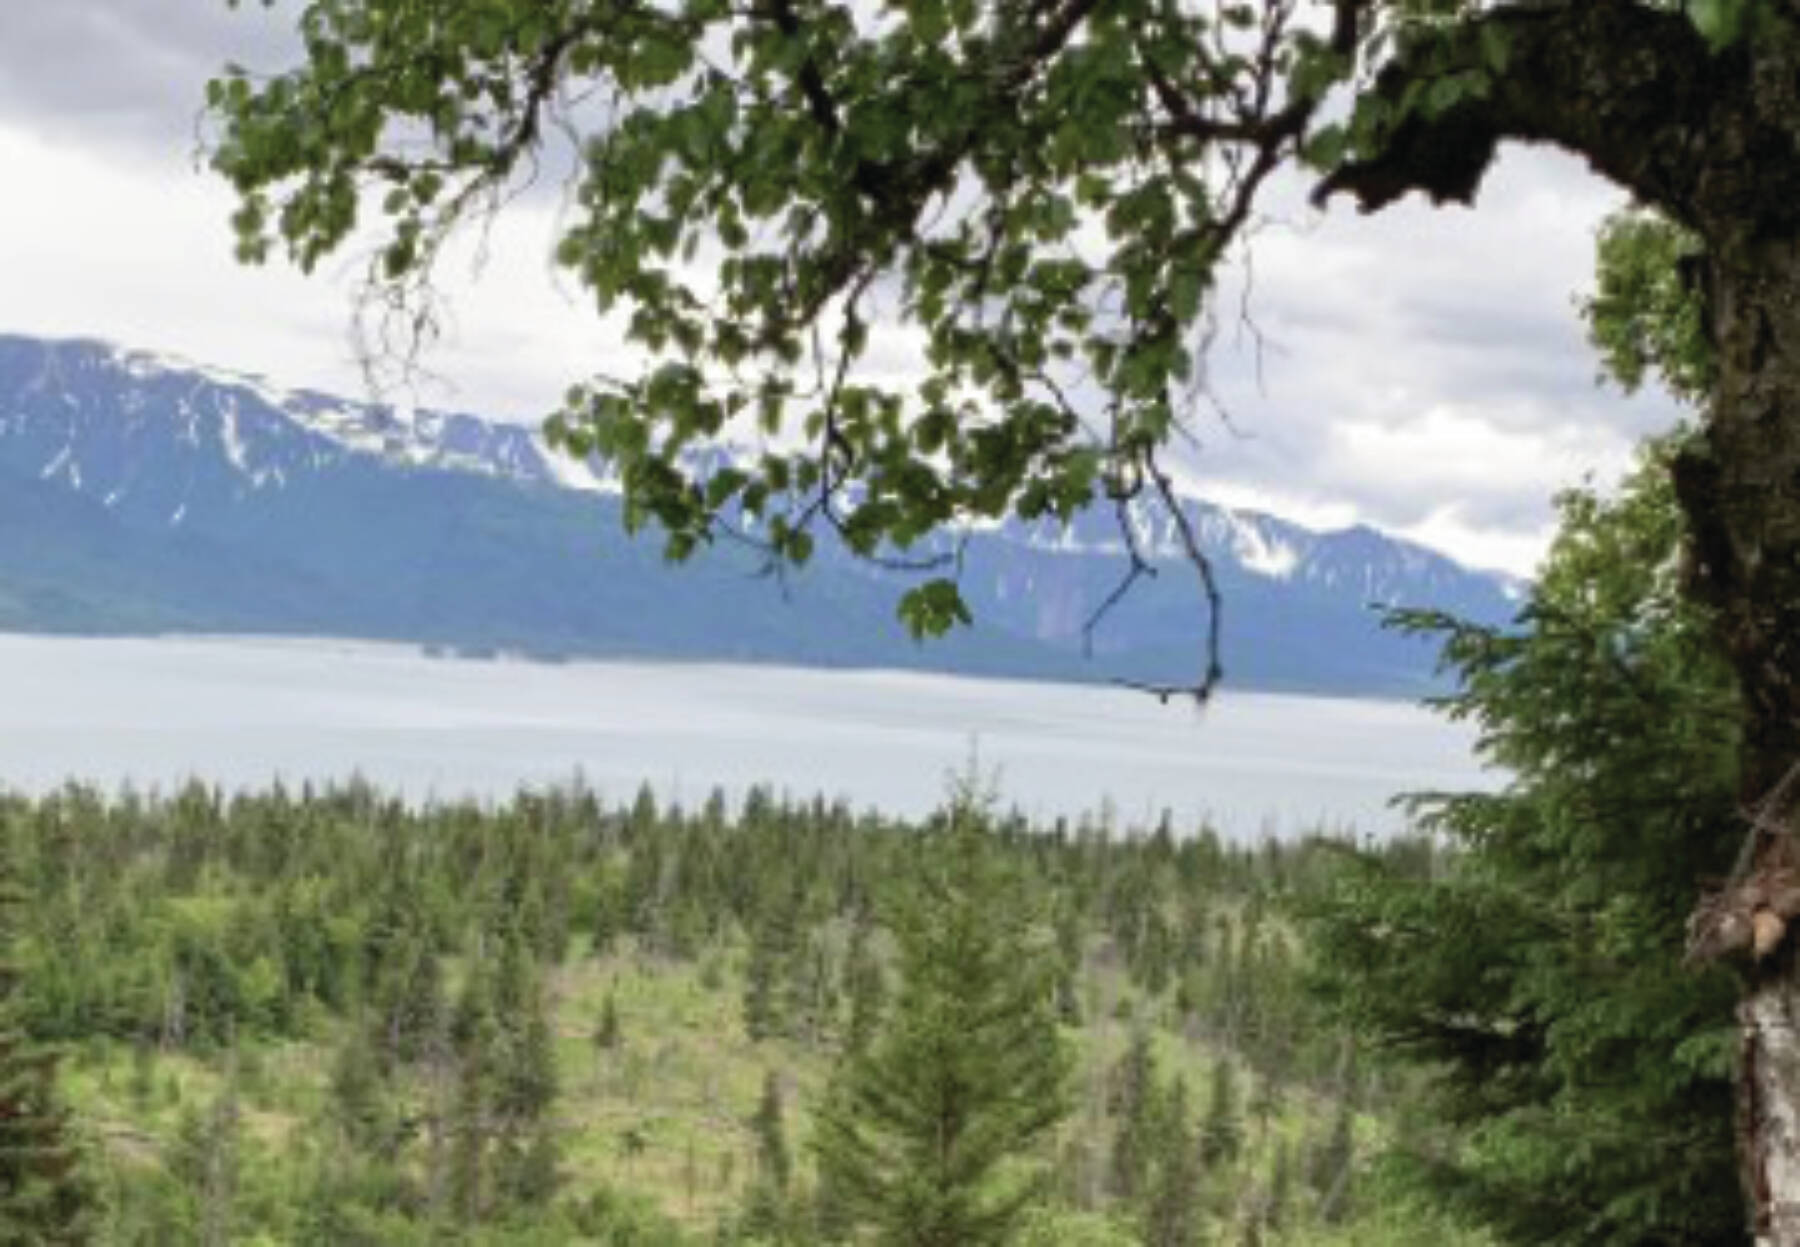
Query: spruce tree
[
  {"x": 471, "y": 1123},
  {"x": 766, "y": 977},
  {"x": 833, "y": 1216},
  {"x": 360, "y": 1096},
  {"x": 1537, "y": 970},
  {"x": 967, "y": 1074},
  {"x": 864, "y": 984},
  {"x": 767, "y": 1211},
  {"x": 1281, "y": 1188},
  {"x": 608, "y": 919},
  {"x": 1134, "y": 1090},
  {"x": 205, "y": 1157},
  {"x": 1332, "y": 1165},
  {"x": 607, "y": 1034},
  {"x": 1172, "y": 1211},
  {"x": 1222, "y": 1134},
  {"x": 44, "y": 1196},
  {"x": 768, "y": 1124}
]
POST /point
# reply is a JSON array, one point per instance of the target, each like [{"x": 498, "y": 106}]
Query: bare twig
[
  {"x": 1136, "y": 568},
  {"x": 1213, "y": 670}
]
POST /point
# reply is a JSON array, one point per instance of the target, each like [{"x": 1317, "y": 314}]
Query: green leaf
[
  {"x": 933, "y": 608},
  {"x": 1326, "y": 146},
  {"x": 1721, "y": 22},
  {"x": 1496, "y": 47}
]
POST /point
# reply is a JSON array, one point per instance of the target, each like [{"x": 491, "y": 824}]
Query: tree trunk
[{"x": 1741, "y": 492}]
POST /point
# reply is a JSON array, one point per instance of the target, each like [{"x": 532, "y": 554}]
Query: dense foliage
[
  {"x": 1538, "y": 966},
  {"x": 326, "y": 1017},
  {"x": 1042, "y": 194}
]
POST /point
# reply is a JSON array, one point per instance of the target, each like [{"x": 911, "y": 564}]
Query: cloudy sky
[{"x": 1422, "y": 370}]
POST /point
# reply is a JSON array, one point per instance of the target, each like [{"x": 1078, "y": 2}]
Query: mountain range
[{"x": 140, "y": 494}]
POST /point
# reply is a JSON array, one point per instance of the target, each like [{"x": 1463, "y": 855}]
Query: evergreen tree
[
  {"x": 44, "y": 1196},
  {"x": 527, "y": 1086},
  {"x": 1172, "y": 1212},
  {"x": 408, "y": 995},
  {"x": 205, "y": 1158},
  {"x": 607, "y": 1035},
  {"x": 773, "y": 1162},
  {"x": 1134, "y": 1090},
  {"x": 608, "y": 922},
  {"x": 1156, "y": 951},
  {"x": 1266, "y": 1100},
  {"x": 1069, "y": 959},
  {"x": 768, "y": 974},
  {"x": 967, "y": 1074},
  {"x": 1332, "y": 1165},
  {"x": 1222, "y": 1134},
  {"x": 812, "y": 990},
  {"x": 864, "y": 984},
  {"x": 833, "y": 1215},
  {"x": 359, "y": 1103},
  {"x": 503, "y": 1151},
  {"x": 1537, "y": 970},
  {"x": 766, "y": 1215},
  {"x": 472, "y": 1128},
  {"x": 1281, "y": 1188}
]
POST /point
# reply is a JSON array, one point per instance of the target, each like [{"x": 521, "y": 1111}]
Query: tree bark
[{"x": 1741, "y": 492}]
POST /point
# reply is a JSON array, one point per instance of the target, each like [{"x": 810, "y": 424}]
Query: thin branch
[
  {"x": 1136, "y": 569},
  {"x": 1213, "y": 670}
]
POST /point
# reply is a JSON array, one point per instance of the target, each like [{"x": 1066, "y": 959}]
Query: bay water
[{"x": 242, "y": 712}]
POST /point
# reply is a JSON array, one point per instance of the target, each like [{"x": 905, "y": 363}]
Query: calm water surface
[{"x": 243, "y": 712}]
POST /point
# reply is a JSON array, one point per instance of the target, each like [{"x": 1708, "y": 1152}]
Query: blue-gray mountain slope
[{"x": 139, "y": 495}]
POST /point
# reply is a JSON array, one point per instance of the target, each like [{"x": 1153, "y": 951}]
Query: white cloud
[
  {"x": 1426, "y": 369},
  {"x": 139, "y": 252},
  {"x": 1454, "y": 450},
  {"x": 1517, "y": 551}
]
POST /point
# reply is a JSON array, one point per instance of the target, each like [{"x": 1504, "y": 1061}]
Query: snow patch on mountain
[
  {"x": 567, "y": 472},
  {"x": 57, "y": 462},
  {"x": 1259, "y": 551},
  {"x": 231, "y": 438}
]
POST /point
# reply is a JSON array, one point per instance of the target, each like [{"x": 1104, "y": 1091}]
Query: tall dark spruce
[
  {"x": 44, "y": 1196},
  {"x": 930, "y": 1135}
]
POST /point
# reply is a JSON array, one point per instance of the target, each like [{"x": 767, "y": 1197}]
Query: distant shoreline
[{"x": 476, "y": 653}]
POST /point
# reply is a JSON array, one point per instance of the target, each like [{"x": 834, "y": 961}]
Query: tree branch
[{"x": 1642, "y": 118}]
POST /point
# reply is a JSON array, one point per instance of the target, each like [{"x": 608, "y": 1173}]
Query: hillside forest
[{"x": 322, "y": 1017}]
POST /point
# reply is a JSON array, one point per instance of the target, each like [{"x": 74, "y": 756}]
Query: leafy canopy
[
  {"x": 1646, "y": 316},
  {"x": 1025, "y": 202}
]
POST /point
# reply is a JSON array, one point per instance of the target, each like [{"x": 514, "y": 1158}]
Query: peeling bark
[{"x": 1771, "y": 1082}]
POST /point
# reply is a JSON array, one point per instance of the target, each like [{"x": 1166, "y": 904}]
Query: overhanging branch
[{"x": 1634, "y": 90}]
